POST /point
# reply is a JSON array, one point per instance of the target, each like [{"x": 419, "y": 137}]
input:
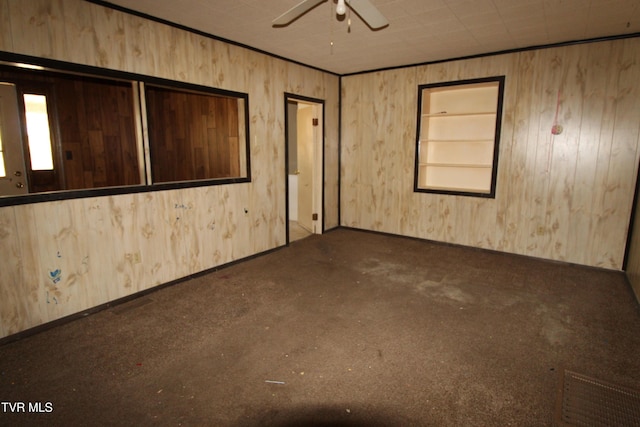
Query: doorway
[{"x": 304, "y": 130}]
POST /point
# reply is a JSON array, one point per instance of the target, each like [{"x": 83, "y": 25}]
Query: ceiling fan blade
[
  {"x": 369, "y": 14},
  {"x": 295, "y": 12}
]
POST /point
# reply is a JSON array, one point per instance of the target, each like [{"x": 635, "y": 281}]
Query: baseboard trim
[{"x": 84, "y": 313}]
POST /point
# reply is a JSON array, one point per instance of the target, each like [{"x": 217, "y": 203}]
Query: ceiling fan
[{"x": 363, "y": 8}]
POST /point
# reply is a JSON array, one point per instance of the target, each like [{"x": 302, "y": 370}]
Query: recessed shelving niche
[{"x": 458, "y": 134}]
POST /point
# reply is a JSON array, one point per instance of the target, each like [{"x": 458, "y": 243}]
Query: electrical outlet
[{"x": 540, "y": 230}]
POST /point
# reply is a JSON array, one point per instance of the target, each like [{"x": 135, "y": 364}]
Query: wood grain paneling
[
  {"x": 12, "y": 316},
  {"x": 331, "y": 156},
  {"x": 97, "y": 134},
  {"x": 564, "y": 197},
  {"x": 171, "y": 233},
  {"x": 41, "y": 31},
  {"x": 192, "y": 136},
  {"x": 5, "y": 25}
]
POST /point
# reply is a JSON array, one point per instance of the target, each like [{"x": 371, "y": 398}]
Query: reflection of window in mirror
[
  {"x": 43, "y": 172},
  {"x": 38, "y": 131},
  {"x": 79, "y": 131},
  {"x": 3, "y": 171}
]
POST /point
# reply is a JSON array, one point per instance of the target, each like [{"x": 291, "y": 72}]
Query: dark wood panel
[
  {"x": 97, "y": 117},
  {"x": 192, "y": 136}
]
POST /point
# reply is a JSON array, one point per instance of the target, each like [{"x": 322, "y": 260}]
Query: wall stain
[{"x": 55, "y": 275}]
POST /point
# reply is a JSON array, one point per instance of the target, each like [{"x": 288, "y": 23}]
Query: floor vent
[{"x": 585, "y": 401}]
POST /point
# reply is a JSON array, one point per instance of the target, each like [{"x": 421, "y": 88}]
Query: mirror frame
[{"x": 24, "y": 61}]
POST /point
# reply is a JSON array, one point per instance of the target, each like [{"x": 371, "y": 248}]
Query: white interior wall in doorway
[{"x": 293, "y": 197}]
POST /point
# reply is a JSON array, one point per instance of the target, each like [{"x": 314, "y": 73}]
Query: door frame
[{"x": 317, "y": 162}]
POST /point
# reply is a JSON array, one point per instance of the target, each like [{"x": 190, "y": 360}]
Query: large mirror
[
  {"x": 65, "y": 132},
  {"x": 193, "y": 135}
]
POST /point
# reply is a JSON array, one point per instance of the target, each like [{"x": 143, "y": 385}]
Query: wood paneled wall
[
  {"x": 566, "y": 197},
  {"x": 63, "y": 257},
  {"x": 97, "y": 133},
  {"x": 192, "y": 136}
]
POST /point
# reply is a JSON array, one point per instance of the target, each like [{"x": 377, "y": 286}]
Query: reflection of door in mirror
[
  {"x": 13, "y": 178},
  {"x": 72, "y": 132}
]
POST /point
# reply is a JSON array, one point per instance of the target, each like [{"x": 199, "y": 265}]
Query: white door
[
  {"x": 13, "y": 177},
  {"x": 305, "y": 166}
]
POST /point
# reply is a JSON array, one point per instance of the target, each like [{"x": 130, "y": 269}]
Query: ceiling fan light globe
[{"x": 341, "y": 8}]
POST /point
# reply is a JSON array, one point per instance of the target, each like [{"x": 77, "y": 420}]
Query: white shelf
[
  {"x": 455, "y": 165},
  {"x": 482, "y": 141},
  {"x": 461, "y": 189},
  {"x": 457, "y": 137},
  {"x": 444, "y": 114}
]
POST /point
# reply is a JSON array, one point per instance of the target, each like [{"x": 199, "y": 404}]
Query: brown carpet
[{"x": 345, "y": 329}]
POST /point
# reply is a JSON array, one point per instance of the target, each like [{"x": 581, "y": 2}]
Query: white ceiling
[{"x": 419, "y": 30}]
